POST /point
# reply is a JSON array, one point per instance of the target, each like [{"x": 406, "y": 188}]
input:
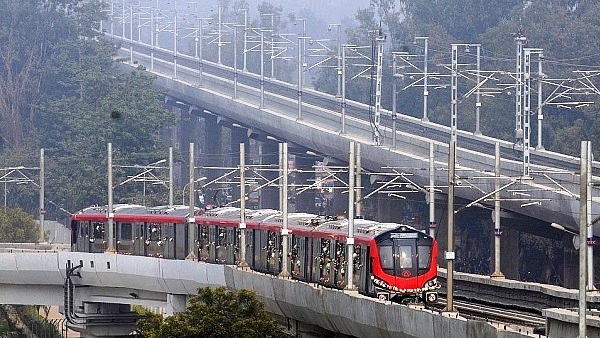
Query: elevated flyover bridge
[{"x": 315, "y": 121}]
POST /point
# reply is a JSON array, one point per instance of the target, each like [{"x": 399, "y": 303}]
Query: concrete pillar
[
  {"x": 109, "y": 328},
  {"x": 509, "y": 246},
  {"x": 571, "y": 263},
  {"x": 211, "y": 155},
  {"x": 305, "y": 202},
  {"x": 189, "y": 129},
  {"x": 389, "y": 208},
  {"x": 269, "y": 197},
  {"x": 175, "y": 304},
  {"x": 339, "y": 203}
]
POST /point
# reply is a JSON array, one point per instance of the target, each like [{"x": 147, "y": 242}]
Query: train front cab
[{"x": 404, "y": 266}]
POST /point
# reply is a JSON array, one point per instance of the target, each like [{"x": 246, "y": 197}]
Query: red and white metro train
[{"x": 390, "y": 261}]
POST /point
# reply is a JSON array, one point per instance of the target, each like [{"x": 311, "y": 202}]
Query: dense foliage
[
  {"x": 215, "y": 313},
  {"x": 61, "y": 90},
  {"x": 16, "y": 226},
  {"x": 566, "y": 31}
]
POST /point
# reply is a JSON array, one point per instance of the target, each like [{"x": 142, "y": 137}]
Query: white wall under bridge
[{"x": 38, "y": 278}]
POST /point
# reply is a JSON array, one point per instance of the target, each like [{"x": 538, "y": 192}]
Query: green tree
[
  {"x": 214, "y": 313},
  {"x": 61, "y": 89},
  {"x": 16, "y": 226}
]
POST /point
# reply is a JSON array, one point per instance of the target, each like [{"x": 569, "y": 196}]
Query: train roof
[
  {"x": 136, "y": 209},
  {"x": 362, "y": 227}
]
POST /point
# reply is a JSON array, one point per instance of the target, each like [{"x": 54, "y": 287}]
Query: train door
[
  {"x": 124, "y": 241},
  {"x": 274, "y": 250},
  {"x": 98, "y": 237},
  {"x": 203, "y": 243},
  {"x": 138, "y": 246},
  {"x": 357, "y": 266},
  {"x": 365, "y": 285},
  {"x": 167, "y": 240},
  {"x": 326, "y": 261},
  {"x": 405, "y": 259},
  {"x": 338, "y": 265},
  {"x": 249, "y": 246},
  {"x": 232, "y": 254},
  {"x": 222, "y": 245},
  {"x": 260, "y": 250},
  {"x": 153, "y": 247},
  {"x": 212, "y": 239},
  {"x": 180, "y": 241},
  {"x": 295, "y": 260},
  {"x": 304, "y": 252},
  {"x": 316, "y": 261}
]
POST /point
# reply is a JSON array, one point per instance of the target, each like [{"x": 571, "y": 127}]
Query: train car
[
  {"x": 138, "y": 230},
  {"x": 390, "y": 261}
]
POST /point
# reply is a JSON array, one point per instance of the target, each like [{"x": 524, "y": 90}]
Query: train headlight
[{"x": 432, "y": 283}]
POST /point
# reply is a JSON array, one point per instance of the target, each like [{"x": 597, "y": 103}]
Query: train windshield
[{"x": 404, "y": 256}]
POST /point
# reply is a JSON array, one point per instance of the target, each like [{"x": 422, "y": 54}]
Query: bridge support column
[
  {"x": 388, "y": 209},
  {"x": 269, "y": 155},
  {"x": 339, "y": 205},
  {"x": 187, "y": 130},
  {"x": 117, "y": 319},
  {"x": 571, "y": 263},
  {"x": 175, "y": 304},
  {"x": 211, "y": 154},
  {"x": 305, "y": 202},
  {"x": 509, "y": 247}
]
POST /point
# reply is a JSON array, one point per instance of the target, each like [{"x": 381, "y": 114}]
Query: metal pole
[
  {"x": 425, "y": 76},
  {"x": 590, "y": 233},
  {"x": 284, "y": 210},
  {"x": 42, "y": 194},
  {"x": 343, "y": 90},
  {"x": 110, "y": 212},
  {"x": 170, "y": 175},
  {"x": 477, "y": 92},
  {"x": 394, "y": 99},
  {"x": 526, "y": 111},
  {"x": 519, "y": 88},
  {"x": 272, "y": 46},
  {"x": 262, "y": 69},
  {"x": 192, "y": 212},
  {"x": 131, "y": 34},
  {"x": 175, "y": 46},
  {"x": 497, "y": 231},
  {"x": 245, "y": 37},
  {"x": 583, "y": 224},
  {"x": 339, "y": 71},
  {"x": 200, "y": 64},
  {"x": 350, "y": 239},
  {"x": 451, "y": 213},
  {"x": 219, "y": 32},
  {"x": 540, "y": 116},
  {"x": 300, "y": 40},
  {"x": 152, "y": 38},
  {"x": 242, "y": 226},
  {"x": 235, "y": 69},
  {"x": 432, "y": 222},
  {"x": 358, "y": 180},
  {"x": 454, "y": 90}
]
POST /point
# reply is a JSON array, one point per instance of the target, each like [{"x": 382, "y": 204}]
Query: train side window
[{"x": 126, "y": 231}]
